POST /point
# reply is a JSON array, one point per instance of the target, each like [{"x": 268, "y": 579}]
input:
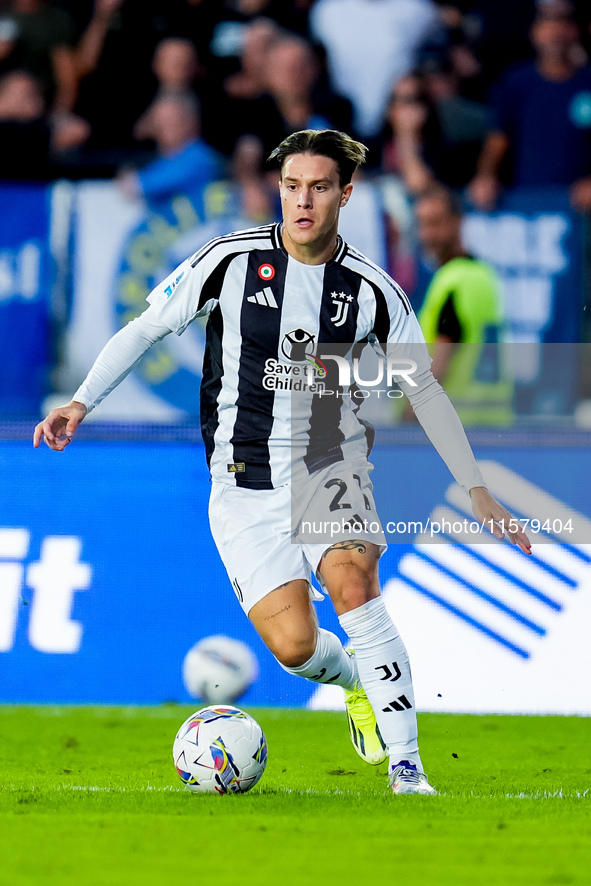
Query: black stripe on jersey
[
  {"x": 213, "y": 364},
  {"x": 260, "y": 326},
  {"x": 211, "y": 381},
  {"x": 325, "y": 435},
  {"x": 276, "y": 236},
  {"x": 253, "y": 234},
  {"x": 399, "y": 292},
  {"x": 213, "y": 285},
  {"x": 381, "y": 326},
  {"x": 342, "y": 249},
  {"x": 340, "y": 287}
]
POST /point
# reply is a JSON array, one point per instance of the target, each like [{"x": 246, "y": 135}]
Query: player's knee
[
  {"x": 353, "y": 597},
  {"x": 293, "y": 652},
  {"x": 355, "y": 589}
]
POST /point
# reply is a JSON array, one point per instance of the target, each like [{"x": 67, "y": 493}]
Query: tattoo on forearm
[
  {"x": 275, "y": 614},
  {"x": 355, "y": 545}
]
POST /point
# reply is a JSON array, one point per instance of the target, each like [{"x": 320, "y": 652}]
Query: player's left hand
[{"x": 486, "y": 509}]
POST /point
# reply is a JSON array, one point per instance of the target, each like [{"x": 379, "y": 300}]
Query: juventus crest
[{"x": 341, "y": 301}]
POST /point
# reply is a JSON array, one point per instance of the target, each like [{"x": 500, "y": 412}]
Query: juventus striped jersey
[{"x": 267, "y": 312}]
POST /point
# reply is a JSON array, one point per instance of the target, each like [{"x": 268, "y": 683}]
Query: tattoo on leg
[
  {"x": 275, "y": 614},
  {"x": 346, "y": 546}
]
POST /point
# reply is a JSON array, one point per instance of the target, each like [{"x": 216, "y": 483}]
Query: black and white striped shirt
[{"x": 267, "y": 314}]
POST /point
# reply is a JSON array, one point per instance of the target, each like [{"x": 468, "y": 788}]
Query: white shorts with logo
[{"x": 267, "y": 537}]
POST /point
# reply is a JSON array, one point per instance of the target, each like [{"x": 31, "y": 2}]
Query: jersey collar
[{"x": 337, "y": 256}]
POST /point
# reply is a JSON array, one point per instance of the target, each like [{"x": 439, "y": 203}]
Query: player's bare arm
[{"x": 60, "y": 425}]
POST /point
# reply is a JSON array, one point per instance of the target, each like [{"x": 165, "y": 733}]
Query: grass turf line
[{"x": 90, "y": 795}]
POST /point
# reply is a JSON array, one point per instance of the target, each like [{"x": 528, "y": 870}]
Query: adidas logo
[
  {"x": 399, "y": 704},
  {"x": 265, "y": 298}
]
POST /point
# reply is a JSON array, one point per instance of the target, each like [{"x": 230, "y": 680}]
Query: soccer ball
[
  {"x": 219, "y": 669},
  {"x": 220, "y": 750}
]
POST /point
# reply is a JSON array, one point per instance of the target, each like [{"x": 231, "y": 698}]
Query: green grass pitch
[{"x": 89, "y": 796}]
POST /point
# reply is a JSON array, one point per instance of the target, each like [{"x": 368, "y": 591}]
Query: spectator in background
[
  {"x": 290, "y": 14},
  {"x": 175, "y": 65},
  {"x": 463, "y": 123},
  {"x": 113, "y": 63},
  {"x": 30, "y": 140},
  {"x": 45, "y": 38},
  {"x": 194, "y": 20},
  {"x": 462, "y": 315},
  {"x": 542, "y": 116},
  {"x": 431, "y": 134},
  {"x": 461, "y": 33},
  {"x": 499, "y": 30},
  {"x": 250, "y": 81},
  {"x": 186, "y": 163},
  {"x": 229, "y": 33},
  {"x": 370, "y": 44},
  {"x": 243, "y": 89},
  {"x": 294, "y": 99},
  {"x": 8, "y": 44},
  {"x": 178, "y": 73},
  {"x": 411, "y": 136},
  {"x": 24, "y": 131}
]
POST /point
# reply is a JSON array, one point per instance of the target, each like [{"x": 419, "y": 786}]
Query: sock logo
[
  {"x": 392, "y": 676},
  {"x": 318, "y": 677},
  {"x": 400, "y": 704}
]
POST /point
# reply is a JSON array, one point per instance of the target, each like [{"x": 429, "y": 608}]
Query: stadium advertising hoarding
[
  {"x": 25, "y": 297},
  {"x": 108, "y": 575},
  {"x": 534, "y": 242}
]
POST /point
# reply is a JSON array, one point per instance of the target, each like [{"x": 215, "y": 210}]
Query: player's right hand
[{"x": 60, "y": 426}]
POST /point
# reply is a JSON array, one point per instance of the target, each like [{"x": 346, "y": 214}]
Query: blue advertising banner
[
  {"x": 534, "y": 241},
  {"x": 25, "y": 297},
  {"x": 108, "y": 575}
]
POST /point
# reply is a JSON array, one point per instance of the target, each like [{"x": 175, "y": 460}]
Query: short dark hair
[
  {"x": 340, "y": 147},
  {"x": 439, "y": 191}
]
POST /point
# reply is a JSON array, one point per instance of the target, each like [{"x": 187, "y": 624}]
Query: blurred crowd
[{"x": 165, "y": 93}]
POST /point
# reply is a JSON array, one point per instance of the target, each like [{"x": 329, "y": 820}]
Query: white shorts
[{"x": 263, "y": 538}]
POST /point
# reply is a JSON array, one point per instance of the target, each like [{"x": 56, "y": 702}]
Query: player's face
[
  {"x": 439, "y": 230},
  {"x": 311, "y": 199}
]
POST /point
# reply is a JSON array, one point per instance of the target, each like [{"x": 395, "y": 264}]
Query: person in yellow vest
[{"x": 462, "y": 316}]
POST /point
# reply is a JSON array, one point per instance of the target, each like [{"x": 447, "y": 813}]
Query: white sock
[
  {"x": 329, "y": 663},
  {"x": 384, "y": 672}
]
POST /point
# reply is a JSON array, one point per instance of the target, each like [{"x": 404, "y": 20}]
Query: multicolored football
[{"x": 220, "y": 749}]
